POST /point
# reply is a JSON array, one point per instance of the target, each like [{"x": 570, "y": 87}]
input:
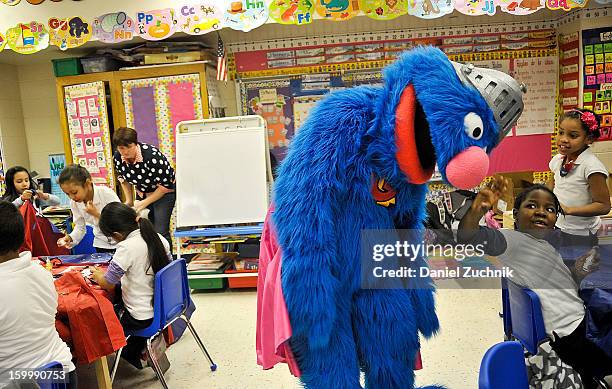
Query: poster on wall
[
  {"x": 597, "y": 90},
  {"x": 291, "y": 12},
  {"x": 245, "y": 15},
  {"x": 69, "y": 33},
  {"x": 89, "y": 130},
  {"x": 154, "y": 106},
  {"x": 199, "y": 19},
  {"x": 28, "y": 38},
  {"x": 114, "y": 27},
  {"x": 57, "y": 163},
  {"x": 540, "y": 77},
  {"x": 156, "y": 25},
  {"x": 385, "y": 9}
]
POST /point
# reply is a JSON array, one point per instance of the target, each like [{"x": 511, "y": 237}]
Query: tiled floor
[{"x": 226, "y": 323}]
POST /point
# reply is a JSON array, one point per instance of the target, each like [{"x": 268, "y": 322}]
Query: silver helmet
[{"x": 503, "y": 94}]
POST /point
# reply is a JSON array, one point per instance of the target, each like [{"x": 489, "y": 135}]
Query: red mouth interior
[{"x": 415, "y": 153}]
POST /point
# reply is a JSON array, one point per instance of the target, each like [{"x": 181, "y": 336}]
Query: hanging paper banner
[
  {"x": 113, "y": 27},
  {"x": 2, "y": 42},
  {"x": 156, "y": 25},
  {"x": 476, "y": 7},
  {"x": 337, "y": 10},
  {"x": 292, "y": 11},
  {"x": 28, "y": 38},
  {"x": 521, "y": 7},
  {"x": 565, "y": 5},
  {"x": 430, "y": 9},
  {"x": 68, "y": 33},
  {"x": 384, "y": 9},
  {"x": 11, "y": 2},
  {"x": 246, "y": 15},
  {"x": 199, "y": 19}
]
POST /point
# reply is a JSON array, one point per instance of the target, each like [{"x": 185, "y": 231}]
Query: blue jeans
[{"x": 160, "y": 213}]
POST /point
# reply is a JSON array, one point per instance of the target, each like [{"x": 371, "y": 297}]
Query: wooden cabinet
[{"x": 150, "y": 99}]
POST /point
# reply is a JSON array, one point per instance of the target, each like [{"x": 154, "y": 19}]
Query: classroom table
[{"x": 62, "y": 266}]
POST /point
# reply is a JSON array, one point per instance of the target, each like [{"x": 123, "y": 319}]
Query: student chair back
[
  {"x": 46, "y": 383},
  {"x": 503, "y": 367},
  {"x": 170, "y": 302},
  {"x": 526, "y": 317},
  {"x": 506, "y": 314},
  {"x": 170, "y": 297}
]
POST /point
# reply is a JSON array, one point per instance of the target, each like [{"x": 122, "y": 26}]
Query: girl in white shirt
[
  {"x": 141, "y": 253},
  {"x": 579, "y": 177},
  {"x": 86, "y": 201}
]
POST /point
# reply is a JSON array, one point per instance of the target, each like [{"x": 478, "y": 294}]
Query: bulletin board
[
  {"x": 597, "y": 91},
  {"x": 89, "y": 130},
  {"x": 285, "y": 102},
  {"x": 154, "y": 106}
]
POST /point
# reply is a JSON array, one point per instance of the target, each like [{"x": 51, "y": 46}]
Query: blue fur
[{"x": 323, "y": 202}]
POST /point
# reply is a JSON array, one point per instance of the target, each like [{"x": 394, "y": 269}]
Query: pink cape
[{"x": 273, "y": 325}]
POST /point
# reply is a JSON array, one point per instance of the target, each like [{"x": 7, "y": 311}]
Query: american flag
[{"x": 221, "y": 63}]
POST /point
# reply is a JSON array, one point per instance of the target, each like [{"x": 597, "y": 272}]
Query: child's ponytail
[
  {"x": 158, "y": 258},
  {"x": 120, "y": 218}
]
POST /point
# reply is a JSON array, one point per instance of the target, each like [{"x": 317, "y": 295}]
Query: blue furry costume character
[{"x": 356, "y": 147}]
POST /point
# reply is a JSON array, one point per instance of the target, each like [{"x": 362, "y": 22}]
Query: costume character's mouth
[{"x": 415, "y": 154}]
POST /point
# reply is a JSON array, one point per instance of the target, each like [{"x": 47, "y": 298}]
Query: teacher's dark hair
[
  {"x": 125, "y": 136},
  {"x": 120, "y": 218}
]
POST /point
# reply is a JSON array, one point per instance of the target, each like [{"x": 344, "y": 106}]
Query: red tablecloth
[{"x": 85, "y": 316}]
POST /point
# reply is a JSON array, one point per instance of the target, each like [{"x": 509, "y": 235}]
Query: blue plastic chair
[
  {"x": 503, "y": 367},
  {"x": 170, "y": 302},
  {"x": 526, "y": 318},
  {"x": 46, "y": 384},
  {"x": 506, "y": 314}
]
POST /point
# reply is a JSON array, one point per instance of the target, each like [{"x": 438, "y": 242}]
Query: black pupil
[{"x": 477, "y": 131}]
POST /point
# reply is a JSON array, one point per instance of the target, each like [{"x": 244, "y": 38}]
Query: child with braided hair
[{"x": 579, "y": 179}]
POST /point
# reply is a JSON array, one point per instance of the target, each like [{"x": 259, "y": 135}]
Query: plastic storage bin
[
  {"x": 67, "y": 67},
  {"x": 100, "y": 64},
  {"x": 242, "y": 282}
]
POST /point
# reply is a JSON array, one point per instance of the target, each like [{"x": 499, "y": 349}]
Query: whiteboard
[{"x": 221, "y": 170}]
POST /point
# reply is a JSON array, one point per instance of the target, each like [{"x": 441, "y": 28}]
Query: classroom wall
[
  {"x": 12, "y": 132},
  {"x": 603, "y": 150},
  {"x": 40, "y": 114}
]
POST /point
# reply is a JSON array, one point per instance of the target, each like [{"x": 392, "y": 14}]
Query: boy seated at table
[{"x": 28, "y": 303}]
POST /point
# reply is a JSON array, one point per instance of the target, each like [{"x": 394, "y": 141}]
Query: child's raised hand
[{"x": 488, "y": 196}]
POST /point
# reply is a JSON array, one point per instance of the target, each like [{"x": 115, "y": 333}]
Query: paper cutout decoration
[
  {"x": 69, "y": 33},
  {"x": 521, "y": 7},
  {"x": 384, "y": 9},
  {"x": 155, "y": 25},
  {"x": 199, "y": 19},
  {"x": 337, "y": 10},
  {"x": 245, "y": 15},
  {"x": 292, "y": 11},
  {"x": 114, "y": 27},
  {"x": 28, "y": 38},
  {"x": 11, "y": 2},
  {"x": 476, "y": 7},
  {"x": 2, "y": 42},
  {"x": 430, "y": 9},
  {"x": 565, "y": 5}
]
